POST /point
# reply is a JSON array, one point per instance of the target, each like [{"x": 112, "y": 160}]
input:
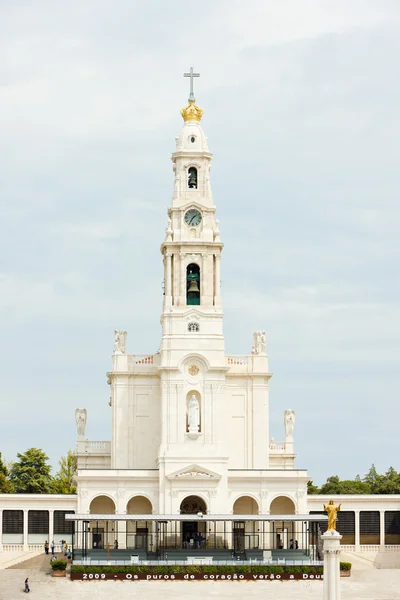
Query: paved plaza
[{"x": 365, "y": 582}]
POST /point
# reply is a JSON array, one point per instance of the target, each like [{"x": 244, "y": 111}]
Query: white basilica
[
  {"x": 190, "y": 424},
  {"x": 190, "y": 442}
]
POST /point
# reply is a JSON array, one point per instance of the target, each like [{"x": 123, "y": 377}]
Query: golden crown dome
[{"x": 192, "y": 112}]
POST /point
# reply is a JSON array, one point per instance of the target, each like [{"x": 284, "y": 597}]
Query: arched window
[
  {"x": 192, "y": 178},
  {"x": 193, "y": 327},
  {"x": 193, "y": 284}
]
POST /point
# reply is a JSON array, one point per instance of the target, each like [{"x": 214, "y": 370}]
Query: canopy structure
[{"x": 181, "y": 537}]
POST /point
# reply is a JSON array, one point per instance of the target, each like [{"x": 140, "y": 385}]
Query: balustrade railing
[
  {"x": 238, "y": 360},
  {"x": 277, "y": 446},
  {"x": 98, "y": 447},
  {"x": 143, "y": 359}
]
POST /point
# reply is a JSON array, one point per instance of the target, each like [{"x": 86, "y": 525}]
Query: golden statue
[{"x": 332, "y": 511}]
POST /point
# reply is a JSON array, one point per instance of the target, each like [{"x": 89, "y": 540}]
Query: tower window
[
  {"x": 192, "y": 178},
  {"x": 194, "y": 327},
  {"x": 193, "y": 139},
  {"x": 193, "y": 284}
]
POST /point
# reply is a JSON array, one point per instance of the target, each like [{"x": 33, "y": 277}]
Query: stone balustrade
[
  {"x": 98, "y": 447},
  {"x": 278, "y": 447}
]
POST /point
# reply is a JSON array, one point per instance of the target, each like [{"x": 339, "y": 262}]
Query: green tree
[
  {"x": 63, "y": 482},
  {"x": 334, "y": 485},
  {"x": 31, "y": 474},
  {"x": 389, "y": 483},
  {"x": 5, "y": 484},
  {"x": 372, "y": 478},
  {"x": 311, "y": 488}
]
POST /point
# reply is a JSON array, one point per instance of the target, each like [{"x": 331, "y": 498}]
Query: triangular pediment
[{"x": 193, "y": 472}]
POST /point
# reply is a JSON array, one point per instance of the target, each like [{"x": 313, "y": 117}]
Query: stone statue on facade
[
  {"x": 289, "y": 420},
  {"x": 332, "y": 509},
  {"x": 193, "y": 415},
  {"x": 120, "y": 341},
  {"x": 80, "y": 418},
  {"x": 259, "y": 343},
  {"x": 169, "y": 231}
]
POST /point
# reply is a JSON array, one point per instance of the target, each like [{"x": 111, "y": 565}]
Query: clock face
[{"x": 193, "y": 217}]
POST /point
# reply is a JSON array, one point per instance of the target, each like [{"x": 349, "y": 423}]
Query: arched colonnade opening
[
  {"x": 246, "y": 534},
  {"x": 285, "y": 535}
]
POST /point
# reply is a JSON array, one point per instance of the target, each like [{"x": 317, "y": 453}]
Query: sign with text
[{"x": 197, "y": 577}]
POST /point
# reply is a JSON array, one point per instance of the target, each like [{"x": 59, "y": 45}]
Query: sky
[{"x": 300, "y": 106}]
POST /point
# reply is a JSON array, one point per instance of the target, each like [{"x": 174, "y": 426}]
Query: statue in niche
[
  {"x": 80, "y": 418},
  {"x": 194, "y": 415},
  {"x": 259, "y": 343},
  {"x": 289, "y": 420},
  {"x": 120, "y": 341}
]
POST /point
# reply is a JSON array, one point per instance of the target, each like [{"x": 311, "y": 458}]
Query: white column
[
  {"x": 331, "y": 540},
  {"x": 26, "y": 548},
  {"x": 168, "y": 280},
  {"x": 182, "y": 292},
  {"x": 204, "y": 280},
  {"x": 357, "y": 530},
  {"x": 1, "y": 530},
  {"x": 51, "y": 526},
  {"x": 382, "y": 528}
]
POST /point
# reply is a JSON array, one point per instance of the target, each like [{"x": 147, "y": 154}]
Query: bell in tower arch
[
  {"x": 192, "y": 178},
  {"x": 193, "y": 285}
]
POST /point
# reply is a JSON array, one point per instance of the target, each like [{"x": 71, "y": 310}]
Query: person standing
[
  {"x": 27, "y": 588},
  {"x": 52, "y": 548},
  {"x": 46, "y": 547}
]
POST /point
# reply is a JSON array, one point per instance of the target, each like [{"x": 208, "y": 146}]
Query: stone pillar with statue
[{"x": 331, "y": 540}]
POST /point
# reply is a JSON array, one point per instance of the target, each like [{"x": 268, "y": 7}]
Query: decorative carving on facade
[
  {"x": 174, "y": 493},
  {"x": 194, "y": 257},
  {"x": 264, "y": 494},
  {"x": 213, "y": 493},
  {"x": 289, "y": 421},
  {"x": 120, "y": 493},
  {"x": 192, "y": 472},
  {"x": 259, "y": 343},
  {"x": 80, "y": 418},
  {"x": 301, "y": 495},
  {"x": 120, "y": 341},
  {"x": 202, "y": 474},
  {"x": 193, "y": 370},
  {"x": 83, "y": 494}
]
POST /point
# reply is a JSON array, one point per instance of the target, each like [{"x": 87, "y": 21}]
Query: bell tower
[
  {"x": 192, "y": 362},
  {"x": 192, "y": 246}
]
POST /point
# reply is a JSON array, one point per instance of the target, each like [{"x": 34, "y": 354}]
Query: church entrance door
[
  {"x": 98, "y": 539},
  {"x": 193, "y": 532},
  {"x": 238, "y": 536}
]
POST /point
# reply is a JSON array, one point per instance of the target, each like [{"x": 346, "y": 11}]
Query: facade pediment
[{"x": 193, "y": 472}]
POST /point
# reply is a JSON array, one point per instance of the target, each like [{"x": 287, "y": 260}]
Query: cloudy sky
[{"x": 301, "y": 109}]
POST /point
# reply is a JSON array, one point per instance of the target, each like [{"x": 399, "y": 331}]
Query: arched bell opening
[
  {"x": 193, "y": 285},
  {"x": 192, "y": 178}
]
